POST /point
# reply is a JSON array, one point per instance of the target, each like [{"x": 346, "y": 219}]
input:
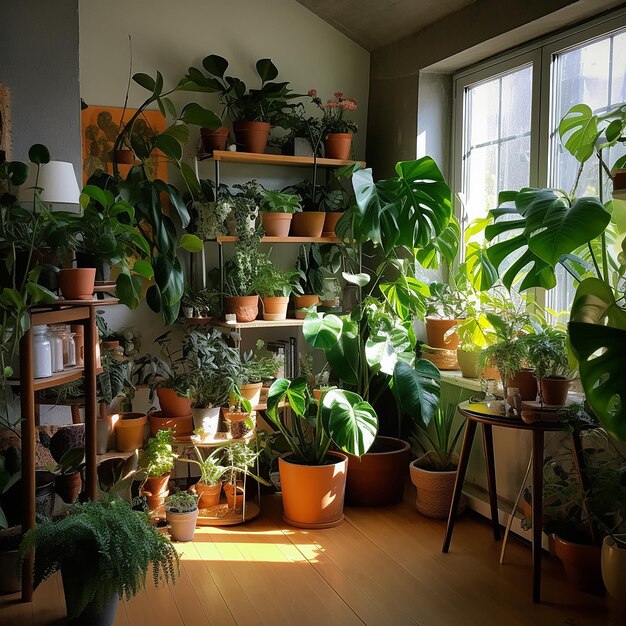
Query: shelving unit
[{"x": 250, "y": 158}]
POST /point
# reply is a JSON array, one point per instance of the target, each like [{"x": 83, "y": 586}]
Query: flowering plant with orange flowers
[{"x": 333, "y": 119}]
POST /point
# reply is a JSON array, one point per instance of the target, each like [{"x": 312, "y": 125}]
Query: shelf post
[{"x": 91, "y": 337}]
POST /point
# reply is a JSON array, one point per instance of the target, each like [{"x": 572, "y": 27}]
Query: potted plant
[
  {"x": 158, "y": 461},
  {"x": 475, "y": 334},
  {"x": 547, "y": 354},
  {"x": 446, "y": 308},
  {"x": 277, "y": 210},
  {"x": 201, "y": 303},
  {"x": 306, "y": 294},
  {"x": 257, "y": 365},
  {"x": 274, "y": 288},
  {"x": 181, "y": 513},
  {"x": 214, "y": 139},
  {"x": 252, "y": 111},
  {"x": 98, "y": 563},
  {"x": 68, "y": 479},
  {"x": 209, "y": 487},
  {"x": 129, "y": 430},
  {"x": 338, "y": 130},
  {"x": 239, "y": 420},
  {"x": 239, "y": 458},
  {"x": 311, "y": 470},
  {"x": 241, "y": 207}
]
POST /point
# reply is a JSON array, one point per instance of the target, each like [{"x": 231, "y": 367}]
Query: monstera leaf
[{"x": 385, "y": 348}]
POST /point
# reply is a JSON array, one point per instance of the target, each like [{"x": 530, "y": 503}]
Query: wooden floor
[{"x": 381, "y": 567}]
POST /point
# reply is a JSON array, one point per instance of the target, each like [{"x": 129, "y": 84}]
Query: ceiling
[{"x": 376, "y": 23}]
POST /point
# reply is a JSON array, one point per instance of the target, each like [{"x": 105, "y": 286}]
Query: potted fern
[
  {"x": 158, "y": 461},
  {"x": 181, "y": 513},
  {"x": 98, "y": 563}
]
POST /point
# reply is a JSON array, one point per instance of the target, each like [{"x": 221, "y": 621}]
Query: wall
[{"x": 39, "y": 52}]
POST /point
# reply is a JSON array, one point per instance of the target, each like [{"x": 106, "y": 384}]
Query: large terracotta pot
[
  {"x": 76, "y": 283},
  {"x": 434, "y": 491},
  {"x": 330, "y": 221},
  {"x": 182, "y": 525},
  {"x": 526, "y": 382},
  {"x": 129, "y": 431},
  {"x": 208, "y": 495},
  {"x": 275, "y": 308},
  {"x": 554, "y": 391},
  {"x": 251, "y": 136},
  {"x": 613, "y": 563},
  {"x": 313, "y": 495},
  {"x": 308, "y": 224},
  {"x": 68, "y": 486},
  {"x": 252, "y": 392},
  {"x": 337, "y": 146},
  {"x": 581, "y": 564},
  {"x": 234, "y": 495},
  {"x": 436, "y": 328},
  {"x": 276, "y": 224},
  {"x": 214, "y": 139},
  {"x": 180, "y": 426},
  {"x": 207, "y": 418},
  {"x": 173, "y": 405},
  {"x": 245, "y": 308},
  {"x": 377, "y": 478},
  {"x": 304, "y": 302}
]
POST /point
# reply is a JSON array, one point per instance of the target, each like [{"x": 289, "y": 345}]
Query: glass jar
[
  {"x": 56, "y": 344},
  {"x": 79, "y": 341},
  {"x": 71, "y": 351},
  {"x": 42, "y": 352}
]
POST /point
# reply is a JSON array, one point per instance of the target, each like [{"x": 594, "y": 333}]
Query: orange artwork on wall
[{"x": 100, "y": 127}]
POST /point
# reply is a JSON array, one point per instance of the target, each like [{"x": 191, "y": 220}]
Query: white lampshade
[{"x": 57, "y": 181}]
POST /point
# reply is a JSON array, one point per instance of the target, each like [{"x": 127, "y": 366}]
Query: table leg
[
  {"x": 491, "y": 479},
  {"x": 468, "y": 438},
  {"x": 537, "y": 513}
]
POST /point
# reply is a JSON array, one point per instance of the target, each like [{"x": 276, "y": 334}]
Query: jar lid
[{"x": 37, "y": 330}]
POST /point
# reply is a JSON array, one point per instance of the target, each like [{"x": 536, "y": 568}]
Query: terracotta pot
[
  {"x": 526, "y": 382},
  {"x": 208, "y": 419},
  {"x": 238, "y": 424},
  {"x": 76, "y": 283},
  {"x": 181, "y": 426},
  {"x": 304, "y": 302},
  {"x": 68, "y": 486},
  {"x": 214, "y": 139},
  {"x": 377, "y": 478},
  {"x": 252, "y": 392},
  {"x": 318, "y": 394},
  {"x": 251, "y": 136},
  {"x": 208, "y": 495},
  {"x": 110, "y": 344},
  {"x": 124, "y": 157},
  {"x": 330, "y": 221},
  {"x": 337, "y": 146},
  {"x": 182, "y": 525},
  {"x": 246, "y": 308},
  {"x": 308, "y": 224},
  {"x": 434, "y": 491},
  {"x": 582, "y": 565},
  {"x": 276, "y": 224},
  {"x": 157, "y": 501},
  {"x": 613, "y": 563},
  {"x": 173, "y": 405},
  {"x": 129, "y": 431},
  {"x": 436, "y": 328},
  {"x": 313, "y": 495},
  {"x": 554, "y": 391},
  {"x": 155, "y": 489},
  {"x": 234, "y": 495},
  {"x": 275, "y": 308}
]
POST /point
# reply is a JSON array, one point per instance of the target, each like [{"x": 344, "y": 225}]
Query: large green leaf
[
  {"x": 39, "y": 154},
  {"x": 406, "y": 296},
  {"x": 385, "y": 348},
  {"x": 478, "y": 267},
  {"x": 169, "y": 276},
  {"x": 128, "y": 289},
  {"x": 579, "y": 131},
  {"x": 266, "y": 69},
  {"x": 195, "y": 114},
  {"x": 349, "y": 421},
  {"x": 417, "y": 389},
  {"x": 594, "y": 303},
  {"x": 215, "y": 65},
  {"x": 321, "y": 331},
  {"x": 444, "y": 248}
]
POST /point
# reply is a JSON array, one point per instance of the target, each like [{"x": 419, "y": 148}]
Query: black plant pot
[
  {"x": 94, "y": 614},
  {"x": 11, "y": 500},
  {"x": 103, "y": 270},
  {"x": 48, "y": 276}
]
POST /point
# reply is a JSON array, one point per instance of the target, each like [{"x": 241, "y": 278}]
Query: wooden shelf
[
  {"x": 233, "y": 239},
  {"x": 288, "y": 323},
  {"x": 250, "y": 158},
  {"x": 58, "y": 378}
]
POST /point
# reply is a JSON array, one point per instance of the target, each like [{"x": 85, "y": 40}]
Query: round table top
[{"x": 490, "y": 412}]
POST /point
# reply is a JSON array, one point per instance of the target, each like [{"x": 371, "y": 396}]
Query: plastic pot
[
  {"x": 76, "y": 283},
  {"x": 130, "y": 431},
  {"x": 251, "y": 136},
  {"x": 276, "y": 224},
  {"x": 245, "y": 308},
  {"x": 95, "y": 613},
  {"x": 338, "y": 145},
  {"x": 275, "y": 308},
  {"x": 308, "y": 224}
]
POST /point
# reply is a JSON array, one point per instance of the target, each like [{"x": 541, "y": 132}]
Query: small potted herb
[
  {"x": 257, "y": 365},
  {"x": 277, "y": 209},
  {"x": 158, "y": 461},
  {"x": 181, "y": 513},
  {"x": 274, "y": 288},
  {"x": 209, "y": 487},
  {"x": 241, "y": 206}
]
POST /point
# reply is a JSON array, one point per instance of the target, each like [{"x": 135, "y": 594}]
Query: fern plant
[{"x": 103, "y": 548}]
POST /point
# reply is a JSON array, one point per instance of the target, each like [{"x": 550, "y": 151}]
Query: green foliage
[
  {"x": 211, "y": 471},
  {"x": 271, "y": 281},
  {"x": 158, "y": 457},
  {"x": 547, "y": 352},
  {"x": 104, "y": 548},
  {"x": 280, "y": 202},
  {"x": 181, "y": 502},
  {"x": 257, "y": 364}
]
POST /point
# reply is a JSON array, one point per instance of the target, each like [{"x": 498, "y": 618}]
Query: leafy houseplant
[
  {"x": 239, "y": 459},
  {"x": 446, "y": 305},
  {"x": 181, "y": 512},
  {"x": 311, "y": 471},
  {"x": 277, "y": 209},
  {"x": 274, "y": 287},
  {"x": 158, "y": 460},
  {"x": 97, "y": 561},
  {"x": 209, "y": 486},
  {"x": 336, "y": 127},
  {"x": 200, "y": 303}
]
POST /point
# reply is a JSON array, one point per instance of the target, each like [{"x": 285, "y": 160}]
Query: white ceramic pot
[
  {"x": 614, "y": 567},
  {"x": 208, "y": 419}
]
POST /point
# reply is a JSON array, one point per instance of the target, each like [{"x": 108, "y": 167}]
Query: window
[{"x": 507, "y": 113}]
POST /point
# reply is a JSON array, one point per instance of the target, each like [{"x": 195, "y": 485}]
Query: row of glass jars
[{"x": 55, "y": 349}]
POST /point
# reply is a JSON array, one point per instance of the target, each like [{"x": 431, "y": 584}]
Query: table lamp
[{"x": 57, "y": 181}]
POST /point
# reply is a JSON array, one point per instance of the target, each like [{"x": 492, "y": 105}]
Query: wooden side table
[{"x": 488, "y": 415}]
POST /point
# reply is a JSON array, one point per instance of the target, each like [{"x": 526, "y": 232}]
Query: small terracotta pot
[
  {"x": 304, "y": 302},
  {"x": 76, "y": 283},
  {"x": 237, "y": 424},
  {"x": 377, "y": 478},
  {"x": 275, "y": 308},
  {"x": 129, "y": 431},
  {"x": 173, "y": 405},
  {"x": 330, "y": 221},
  {"x": 338, "y": 145},
  {"x": 110, "y": 344},
  {"x": 68, "y": 486},
  {"x": 182, "y": 525},
  {"x": 554, "y": 391},
  {"x": 251, "y": 136},
  {"x": 214, "y": 139},
  {"x": 436, "y": 328},
  {"x": 614, "y": 567},
  {"x": 526, "y": 382},
  {"x": 308, "y": 224},
  {"x": 181, "y": 426},
  {"x": 208, "y": 419},
  {"x": 124, "y": 157},
  {"x": 434, "y": 491},
  {"x": 156, "y": 502},
  {"x": 234, "y": 495},
  {"x": 313, "y": 495},
  {"x": 251, "y": 391},
  {"x": 246, "y": 308},
  {"x": 582, "y": 565},
  {"x": 208, "y": 495},
  {"x": 155, "y": 489},
  {"x": 276, "y": 224}
]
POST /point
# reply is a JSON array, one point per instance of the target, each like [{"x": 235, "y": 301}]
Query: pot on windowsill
[
  {"x": 582, "y": 564},
  {"x": 304, "y": 302},
  {"x": 214, "y": 139},
  {"x": 308, "y": 224},
  {"x": 469, "y": 362},
  {"x": 434, "y": 489},
  {"x": 77, "y": 283},
  {"x": 338, "y": 146},
  {"x": 245, "y": 308},
  {"x": 276, "y": 224},
  {"x": 436, "y": 329},
  {"x": 554, "y": 390},
  {"x": 251, "y": 136},
  {"x": 275, "y": 308}
]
